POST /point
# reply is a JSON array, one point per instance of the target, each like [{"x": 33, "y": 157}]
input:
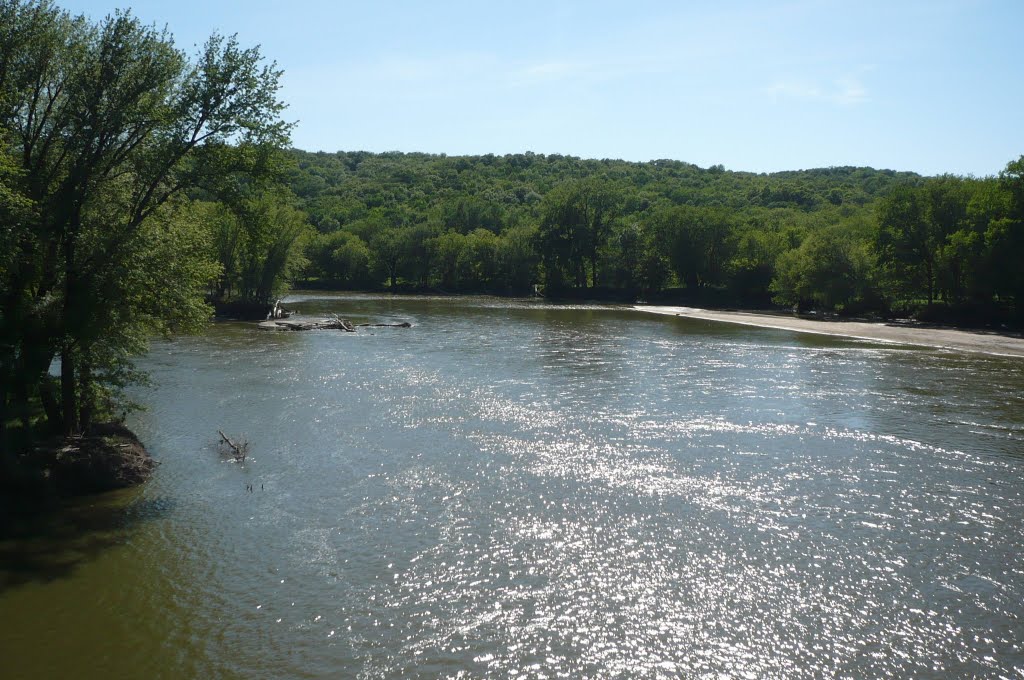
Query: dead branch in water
[
  {"x": 237, "y": 450},
  {"x": 341, "y": 324}
]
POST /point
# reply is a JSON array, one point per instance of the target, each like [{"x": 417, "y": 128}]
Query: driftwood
[
  {"x": 238, "y": 450},
  {"x": 404, "y": 324},
  {"x": 335, "y": 323},
  {"x": 279, "y": 325},
  {"x": 343, "y": 324}
]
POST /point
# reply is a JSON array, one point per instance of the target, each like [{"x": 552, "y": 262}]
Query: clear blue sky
[{"x": 931, "y": 86}]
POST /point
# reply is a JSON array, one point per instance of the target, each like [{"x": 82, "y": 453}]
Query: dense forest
[
  {"x": 844, "y": 239},
  {"x": 141, "y": 187}
]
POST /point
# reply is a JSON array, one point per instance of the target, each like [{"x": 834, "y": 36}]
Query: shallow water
[{"x": 511, "y": 488}]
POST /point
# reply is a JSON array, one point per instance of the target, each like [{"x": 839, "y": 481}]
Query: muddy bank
[
  {"x": 109, "y": 458},
  {"x": 981, "y": 341}
]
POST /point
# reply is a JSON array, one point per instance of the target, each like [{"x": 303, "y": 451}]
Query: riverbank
[
  {"x": 110, "y": 458},
  {"x": 909, "y": 333}
]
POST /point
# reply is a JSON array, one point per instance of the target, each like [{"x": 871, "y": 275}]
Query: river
[{"x": 517, "y": 489}]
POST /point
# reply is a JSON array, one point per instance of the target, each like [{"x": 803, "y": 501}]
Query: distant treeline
[{"x": 842, "y": 239}]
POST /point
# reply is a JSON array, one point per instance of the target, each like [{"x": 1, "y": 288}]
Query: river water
[{"x": 516, "y": 489}]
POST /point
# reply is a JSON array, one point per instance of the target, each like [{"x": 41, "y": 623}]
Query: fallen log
[
  {"x": 305, "y": 325},
  {"x": 294, "y": 325},
  {"x": 404, "y": 324}
]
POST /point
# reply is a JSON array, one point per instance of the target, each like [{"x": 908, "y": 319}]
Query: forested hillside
[{"x": 839, "y": 239}]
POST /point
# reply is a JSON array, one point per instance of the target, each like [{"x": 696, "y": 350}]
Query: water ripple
[{"x": 514, "y": 489}]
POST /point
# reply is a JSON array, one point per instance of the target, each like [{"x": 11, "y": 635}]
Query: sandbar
[{"x": 904, "y": 333}]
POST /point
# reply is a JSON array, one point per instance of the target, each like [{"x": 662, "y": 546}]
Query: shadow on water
[{"x": 49, "y": 546}]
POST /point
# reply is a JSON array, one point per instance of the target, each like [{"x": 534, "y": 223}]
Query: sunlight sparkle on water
[{"x": 516, "y": 489}]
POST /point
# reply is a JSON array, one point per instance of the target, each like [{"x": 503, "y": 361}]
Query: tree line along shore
[
  {"x": 142, "y": 187},
  {"x": 844, "y": 240}
]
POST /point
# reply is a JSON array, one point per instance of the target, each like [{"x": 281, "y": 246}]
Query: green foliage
[
  {"x": 908, "y": 241},
  {"x": 614, "y": 227},
  {"x": 341, "y": 257},
  {"x": 516, "y": 260},
  {"x": 446, "y": 254},
  {"x": 1011, "y": 180},
  {"x": 478, "y": 260},
  {"x": 634, "y": 258},
  {"x": 605, "y": 224},
  {"x": 575, "y": 224},
  {"x": 954, "y": 240},
  {"x": 698, "y": 242},
  {"x": 104, "y": 127},
  {"x": 259, "y": 245},
  {"x": 753, "y": 265},
  {"x": 388, "y": 248},
  {"x": 1004, "y": 241},
  {"x": 830, "y": 270}
]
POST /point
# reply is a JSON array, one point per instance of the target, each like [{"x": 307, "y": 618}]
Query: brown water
[{"x": 513, "y": 489}]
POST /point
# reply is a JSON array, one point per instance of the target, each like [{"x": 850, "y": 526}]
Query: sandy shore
[{"x": 985, "y": 342}]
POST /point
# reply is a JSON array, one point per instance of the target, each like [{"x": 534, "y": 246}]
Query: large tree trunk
[
  {"x": 22, "y": 390},
  {"x": 25, "y": 378},
  {"x": 5, "y": 444},
  {"x": 71, "y": 316},
  {"x": 50, "y": 404},
  {"x": 85, "y": 397},
  {"x": 68, "y": 391},
  {"x": 931, "y": 281}
]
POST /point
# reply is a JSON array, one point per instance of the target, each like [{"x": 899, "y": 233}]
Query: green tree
[
  {"x": 914, "y": 223},
  {"x": 830, "y": 270},
  {"x": 576, "y": 222},
  {"x": 110, "y": 125},
  {"x": 478, "y": 261},
  {"x": 352, "y": 260},
  {"x": 267, "y": 236},
  {"x": 907, "y": 242},
  {"x": 1011, "y": 179},
  {"x": 340, "y": 256},
  {"x": 516, "y": 259},
  {"x": 417, "y": 253},
  {"x": 387, "y": 250},
  {"x": 697, "y": 242},
  {"x": 1004, "y": 239},
  {"x": 626, "y": 253},
  {"x": 636, "y": 262},
  {"x": 752, "y": 267},
  {"x": 446, "y": 251}
]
